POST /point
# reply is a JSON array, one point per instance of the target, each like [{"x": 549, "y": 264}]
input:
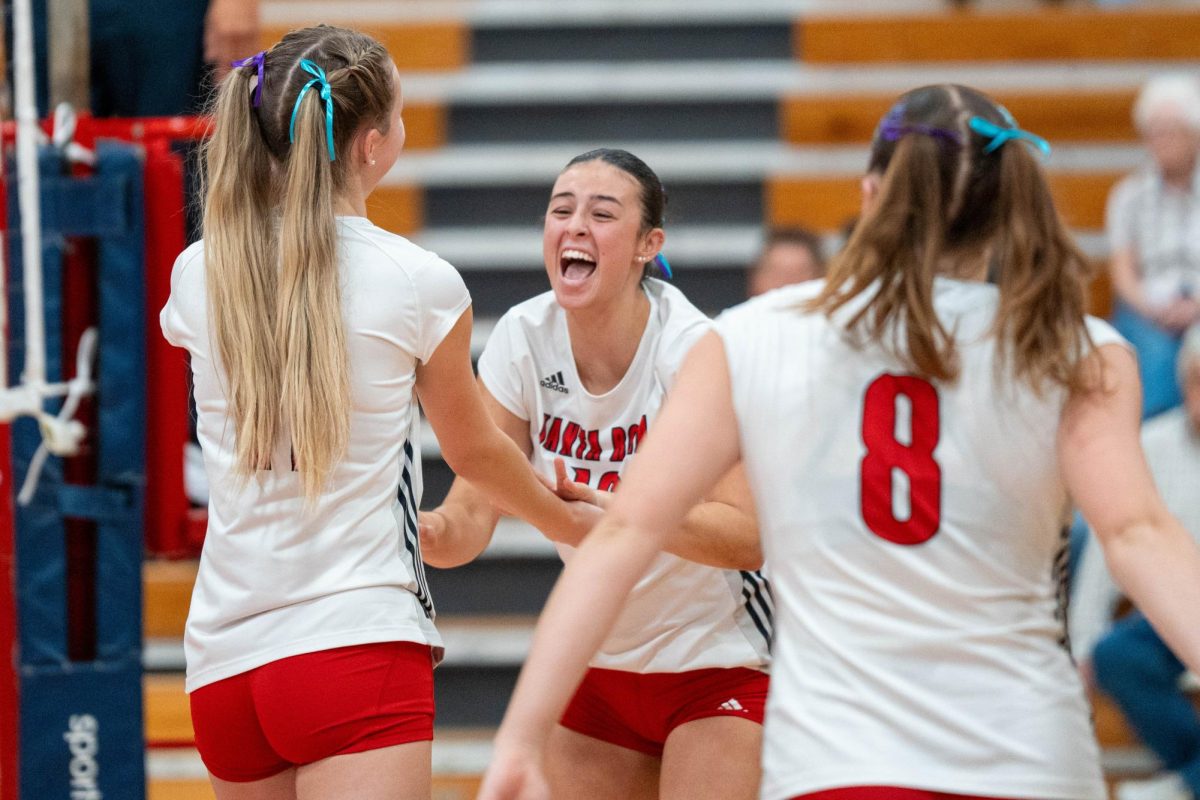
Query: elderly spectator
[
  {"x": 789, "y": 255},
  {"x": 1154, "y": 232},
  {"x": 1130, "y": 663}
]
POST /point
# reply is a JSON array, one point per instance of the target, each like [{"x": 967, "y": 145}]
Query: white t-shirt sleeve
[
  {"x": 1103, "y": 333},
  {"x": 499, "y": 366},
  {"x": 187, "y": 297},
  {"x": 442, "y": 297}
]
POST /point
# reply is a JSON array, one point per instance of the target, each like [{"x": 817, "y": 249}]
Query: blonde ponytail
[
  {"x": 314, "y": 364},
  {"x": 271, "y": 245}
]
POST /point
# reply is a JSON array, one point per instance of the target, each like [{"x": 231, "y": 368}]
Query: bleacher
[{"x": 755, "y": 112}]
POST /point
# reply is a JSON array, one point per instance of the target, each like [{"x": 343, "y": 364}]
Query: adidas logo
[
  {"x": 554, "y": 382},
  {"x": 731, "y": 705}
]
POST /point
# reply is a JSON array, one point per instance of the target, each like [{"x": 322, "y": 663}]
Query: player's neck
[{"x": 605, "y": 340}]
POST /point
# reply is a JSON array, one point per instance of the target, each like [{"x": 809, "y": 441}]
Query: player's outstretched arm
[
  {"x": 474, "y": 447},
  {"x": 1149, "y": 553},
  {"x": 458, "y": 530},
  {"x": 721, "y": 531},
  {"x": 660, "y": 490}
]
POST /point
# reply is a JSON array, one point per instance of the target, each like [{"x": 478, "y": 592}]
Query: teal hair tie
[
  {"x": 326, "y": 94},
  {"x": 663, "y": 265},
  {"x": 998, "y": 135}
]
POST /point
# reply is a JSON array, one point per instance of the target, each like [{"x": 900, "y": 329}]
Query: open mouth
[{"x": 576, "y": 265}]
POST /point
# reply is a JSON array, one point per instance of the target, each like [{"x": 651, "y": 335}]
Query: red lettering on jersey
[
  {"x": 636, "y": 433},
  {"x": 592, "y": 451},
  {"x": 583, "y": 476},
  {"x": 609, "y": 481},
  {"x": 550, "y": 434},
  {"x": 618, "y": 440},
  {"x": 570, "y": 434}
]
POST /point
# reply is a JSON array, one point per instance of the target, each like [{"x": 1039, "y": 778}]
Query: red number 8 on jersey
[{"x": 886, "y": 453}]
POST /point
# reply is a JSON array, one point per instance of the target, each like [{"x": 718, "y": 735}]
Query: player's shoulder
[
  {"x": 1102, "y": 332},
  {"x": 677, "y": 315},
  {"x": 368, "y": 244},
  {"x": 537, "y": 319},
  {"x": 192, "y": 257},
  {"x": 786, "y": 300}
]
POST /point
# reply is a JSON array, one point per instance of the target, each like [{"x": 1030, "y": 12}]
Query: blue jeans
[
  {"x": 1157, "y": 351},
  {"x": 1134, "y": 667}
]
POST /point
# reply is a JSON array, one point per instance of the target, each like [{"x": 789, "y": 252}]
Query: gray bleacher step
[
  {"x": 690, "y": 201},
  {"x": 690, "y": 247},
  {"x": 649, "y": 120},
  {"x": 495, "y": 13},
  {"x": 639, "y": 40},
  {"x": 526, "y": 164},
  {"x": 697, "y": 80}
]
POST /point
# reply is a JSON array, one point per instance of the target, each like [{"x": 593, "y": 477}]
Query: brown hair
[
  {"x": 270, "y": 238},
  {"x": 943, "y": 199}
]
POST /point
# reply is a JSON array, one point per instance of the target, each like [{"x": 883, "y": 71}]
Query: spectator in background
[
  {"x": 789, "y": 255},
  {"x": 1131, "y": 664},
  {"x": 1154, "y": 231},
  {"x": 153, "y": 60}
]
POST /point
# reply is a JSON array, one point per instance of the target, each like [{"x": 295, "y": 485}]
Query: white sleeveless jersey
[
  {"x": 914, "y": 532},
  {"x": 681, "y": 615},
  {"x": 276, "y": 578}
]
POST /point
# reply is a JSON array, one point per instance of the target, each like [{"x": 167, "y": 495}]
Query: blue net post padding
[{"x": 81, "y": 721}]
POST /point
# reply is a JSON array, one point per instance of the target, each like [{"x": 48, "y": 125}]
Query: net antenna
[{"x": 61, "y": 434}]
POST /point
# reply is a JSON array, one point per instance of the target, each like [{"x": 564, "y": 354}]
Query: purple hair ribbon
[
  {"x": 257, "y": 59},
  {"x": 892, "y": 127}
]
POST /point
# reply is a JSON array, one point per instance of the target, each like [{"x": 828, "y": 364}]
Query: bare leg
[
  {"x": 579, "y": 766},
  {"x": 400, "y": 772},
  {"x": 715, "y": 757},
  {"x": 276, "y": 787}
]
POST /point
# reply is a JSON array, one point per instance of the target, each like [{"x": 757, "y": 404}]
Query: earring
[
  {"x": 642, "y": 259},
  {"x": 372, "y": 162}
]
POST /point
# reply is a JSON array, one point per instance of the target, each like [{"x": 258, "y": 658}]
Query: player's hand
[
  {"x": 578, "y": 519},
  {"x": 568, "y": 489},
  {"x": 231, "y": 31},
  {"x": 513, "y": 775}
]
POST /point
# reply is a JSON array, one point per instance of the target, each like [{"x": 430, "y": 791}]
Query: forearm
[
  {"x": 720, "y": 535},
  {"x": 497, "y": 467},
  {"x": 1157, "y": 563},
  {"x": 470, "y": 520},
  {"x": 581, "y": 610}
]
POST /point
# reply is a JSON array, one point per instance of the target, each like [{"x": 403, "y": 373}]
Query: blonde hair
[
  {"x": 942, "y": 196},
  {"x": 271, "y": 261}
]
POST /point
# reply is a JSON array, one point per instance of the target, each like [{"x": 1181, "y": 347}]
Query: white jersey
[
  {"x": 682, "y": 615},
  {"x": 914, "y": 533},
  {"x": 276, "y": 578}
]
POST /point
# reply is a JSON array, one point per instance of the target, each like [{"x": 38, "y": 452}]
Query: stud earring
[
  {"x": 642, "y": 259},
  {"x": 372, "y": 162}
]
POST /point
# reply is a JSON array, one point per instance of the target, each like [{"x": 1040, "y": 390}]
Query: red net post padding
[{"x": 172, "y": 527}]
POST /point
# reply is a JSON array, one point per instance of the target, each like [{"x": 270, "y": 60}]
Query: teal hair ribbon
[
  {"x": 664, "y": 265},
  {"x": 999, "y": 135},
  {"x": 326, "y": 94}
]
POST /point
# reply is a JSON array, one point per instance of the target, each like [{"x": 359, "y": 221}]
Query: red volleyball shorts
[
  {"x": 308, "y": 707},
  {"x": 886, "y": 793},
  {"x": 639, "y": 711}
]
